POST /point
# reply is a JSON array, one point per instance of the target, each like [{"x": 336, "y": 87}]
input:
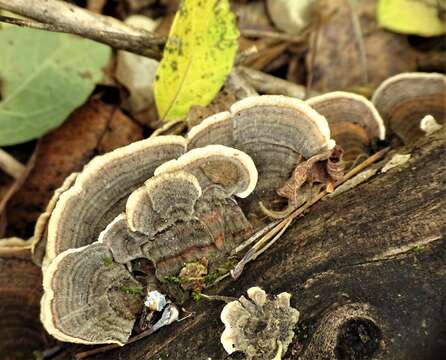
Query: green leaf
[
  {"x": 419, "y": 17},
  {"x": 43, "y": 77},
  {"x": 198, "y": 56}
]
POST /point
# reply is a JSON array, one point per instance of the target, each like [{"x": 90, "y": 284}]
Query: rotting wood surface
[{"x": 366, "y": 270}]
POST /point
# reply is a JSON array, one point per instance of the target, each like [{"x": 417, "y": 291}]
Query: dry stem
[
  {"x": 59, "y": 16},
  {"x": 269, "y": 84}
]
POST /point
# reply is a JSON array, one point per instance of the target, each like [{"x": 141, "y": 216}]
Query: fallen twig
[
  {"x": 273, "y": 35},
  {"x": 59, "y": 16},
  {"x": 269, "y": 84},
  {"x": 10, "y": 165}
]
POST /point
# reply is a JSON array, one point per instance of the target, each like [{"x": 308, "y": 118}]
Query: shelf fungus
[
  {"x": 277, "y": 132},
  {"x": 41, "y": 228},
  {"x": 88, "y": 298},
  {"x": 262, "y": 327},
  {"x": 404, "y": 100},
  {"x": 124, "y": 244},
  {"x": 100, "y": 191},
  {"x": 353, "y": 120}
]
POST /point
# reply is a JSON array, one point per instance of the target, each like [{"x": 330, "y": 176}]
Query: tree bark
[{"x": 366, "y": 270}]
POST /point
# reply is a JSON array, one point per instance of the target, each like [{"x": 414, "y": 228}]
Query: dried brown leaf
[
  {"x": 341, "y": 63},
  {"x": 93, "y": 128}
]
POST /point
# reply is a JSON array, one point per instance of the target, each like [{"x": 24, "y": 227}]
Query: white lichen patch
[{"x": 395, "y": 161}]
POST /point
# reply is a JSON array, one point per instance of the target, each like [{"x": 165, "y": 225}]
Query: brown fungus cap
[
  {"x": 275, "y": 131},
  {"x": 101, "y": 190},
  {"x": 88, "y": 298},
  {"x": 353, "y": 120},
  {"x": 404, "y": 100}
]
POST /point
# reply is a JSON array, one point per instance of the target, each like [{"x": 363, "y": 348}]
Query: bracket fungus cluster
[
  {"x": 164, "y": 214},
  {"x": 172, "y": 201},
  {"x": 99, "y": 192},
  {"x": 261, "y": 327}
]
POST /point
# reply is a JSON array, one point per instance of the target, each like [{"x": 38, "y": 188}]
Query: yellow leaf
[
  {"x": 198, "y": 56},
  {"x": 419, "y": 17}
]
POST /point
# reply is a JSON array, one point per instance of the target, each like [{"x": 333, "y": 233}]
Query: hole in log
[{"x": 358, "y": 339}]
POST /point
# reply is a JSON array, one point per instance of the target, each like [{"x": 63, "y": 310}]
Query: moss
[
  {"x": 210, "y": 278},
  {"x": 214, "y": 275},
  {"x": 172, "y": 279},
  {"x": 107, "y": 261},
  {"x": 131, "y": 290}
]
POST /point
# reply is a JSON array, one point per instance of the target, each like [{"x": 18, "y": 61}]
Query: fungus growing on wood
[
  {"x": 88, "y": 298},
  {"x": 260, "y": 327},
  {"x": 187, "y": 211},
  {"x": 275, "y": 131},
  {"x": 41, "y": 227},
  {"x": 353, "y": 120},
  {"x": 100, "y": 191},
  {"x": 162, "y": 201},
  {"x": 405, "y": 99}
]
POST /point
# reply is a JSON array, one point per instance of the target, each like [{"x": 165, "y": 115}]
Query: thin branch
[
  {"x": 268, "y": 84},
  {"x": 10, "y": 165},
  {"x": 59, "y": 16}
]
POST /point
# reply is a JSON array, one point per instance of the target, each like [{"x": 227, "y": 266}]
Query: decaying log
[{"x": 366, "y": 270}]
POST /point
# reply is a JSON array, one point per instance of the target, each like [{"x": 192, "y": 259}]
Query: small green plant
[
  {"x": 196, "y": 295},
  {"x": 419, "y": 248}
]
